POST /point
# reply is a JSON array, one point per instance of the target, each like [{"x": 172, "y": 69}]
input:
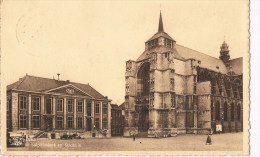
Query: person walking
[
  {"x": 208, "y": 141},
  {"x": 133, "y": 136}
]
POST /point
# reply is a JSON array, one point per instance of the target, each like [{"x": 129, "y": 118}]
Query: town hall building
[
  {"x": 36, "y": 106},
  {"x": 171, "y": 89}
]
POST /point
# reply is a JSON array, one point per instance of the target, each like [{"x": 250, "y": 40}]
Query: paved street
[{"x": 221, "y": 142}]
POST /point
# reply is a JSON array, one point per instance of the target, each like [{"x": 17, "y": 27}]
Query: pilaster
[
  {"x": 54, "y": 112},
  {"x": 84, "y": 113},
  {"x": 101, "y": 115},
  {"x": 42, "y": 111},
  {"x": 29, "y": 112},
  {"x": 75, "y": 114},
  {"x": 92, "y": 113},
  {"x": 109, "y": 118},
  {"x": 65, "y": 113},
  {"x": 14, "y": 109}
]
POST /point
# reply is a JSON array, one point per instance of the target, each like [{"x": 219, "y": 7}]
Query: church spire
[{"x": 160, "y": 28}]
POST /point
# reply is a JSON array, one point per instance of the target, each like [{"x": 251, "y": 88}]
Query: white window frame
[
  {"x": 62, "y": 105},
  {"x": 82, "y": 108},
  {"x": 38, "y": 122},
  {"x": 33, "y": 102}
]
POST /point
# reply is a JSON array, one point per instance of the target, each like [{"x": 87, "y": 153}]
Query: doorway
[
  {"x": 142, "y": 118},
  {"x": 48, "y": 124}
]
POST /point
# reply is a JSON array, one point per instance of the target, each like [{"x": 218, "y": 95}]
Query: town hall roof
[{"x": 39, "y": 84}]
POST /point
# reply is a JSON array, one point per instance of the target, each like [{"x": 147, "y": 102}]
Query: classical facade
[
  {"x": 171, "y": 89},
  {"x": 38, "y": 105}
]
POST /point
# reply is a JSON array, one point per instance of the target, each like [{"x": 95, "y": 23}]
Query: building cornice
[{"x": 57, "y": 94}]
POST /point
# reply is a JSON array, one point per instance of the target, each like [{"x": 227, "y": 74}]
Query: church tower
[
  {"x": 150, "y": 96},
  {"x": 225, "y": 57},
  {"x": 224, "y": 53}
]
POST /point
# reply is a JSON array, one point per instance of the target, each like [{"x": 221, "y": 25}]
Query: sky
[{"x": 90, "y": 41}]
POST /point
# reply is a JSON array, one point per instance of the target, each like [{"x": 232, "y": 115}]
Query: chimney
[{"x": 58, "y": 76}]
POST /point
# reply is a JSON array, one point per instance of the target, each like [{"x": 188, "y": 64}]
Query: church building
[{"x": 171, "y": 89}]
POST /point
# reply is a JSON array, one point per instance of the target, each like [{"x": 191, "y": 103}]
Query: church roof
[
  {"x": 158, "y": 49},
  {"x": 237, "y": 65},
  {"x": 184, "y": 53},
  {"x": 39, "y": 84},
  {"x": 206, "y": 61},
  {"x": 160, "y": 34}
]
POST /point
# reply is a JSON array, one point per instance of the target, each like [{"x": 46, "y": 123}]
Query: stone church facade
[{"x": 171, "y": 89}]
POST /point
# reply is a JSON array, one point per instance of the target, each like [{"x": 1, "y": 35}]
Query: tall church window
[
  {"x": 217, "y": 111},
  {"x": 143, "y": 81},
  {"x": 238, "y": 112},
  {"x": 225, "y": 112},
  {"x": 232, "y": 112},
  {"x": 212, "y": 110}
]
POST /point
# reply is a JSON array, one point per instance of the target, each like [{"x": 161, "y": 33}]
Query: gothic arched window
[
  {"x": 143, "y": 80},
  {"x": 217, "y": 111},
  {"x": 238, "y": 112},
  {"x": 225, "y": 112},
  {"x": 232, "y": 110}
]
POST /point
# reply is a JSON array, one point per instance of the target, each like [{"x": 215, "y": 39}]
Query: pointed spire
[{"x": 160, "y": 28}]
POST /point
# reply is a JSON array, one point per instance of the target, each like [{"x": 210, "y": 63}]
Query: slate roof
[
  {"x": 115, "y": 107},
  {"x": 122, "y": 106},
  {"x": 39, "y": 84},
  {"x": 206, "y": 61},
  {"x": 237, "y": 65},
  {"x": 160, "y": 34}
]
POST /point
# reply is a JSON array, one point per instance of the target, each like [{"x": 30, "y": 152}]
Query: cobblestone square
[{"x": 188, "y": 142}]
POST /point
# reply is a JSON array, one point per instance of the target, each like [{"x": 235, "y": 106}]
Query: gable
[{"x": 68, "y": 90}]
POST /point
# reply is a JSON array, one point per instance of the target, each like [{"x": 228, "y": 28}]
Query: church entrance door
[{"x": 142, "y": 119}]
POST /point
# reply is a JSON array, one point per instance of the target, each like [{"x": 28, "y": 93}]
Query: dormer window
[{"x": 168, "y": 42}]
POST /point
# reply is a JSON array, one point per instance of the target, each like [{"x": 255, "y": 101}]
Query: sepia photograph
[{"x": 125, "y": 77}]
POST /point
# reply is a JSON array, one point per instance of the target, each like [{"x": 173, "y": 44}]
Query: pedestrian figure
[
  {"x": 133, "y": 136},
  {"x": 208, "y": 140}
]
